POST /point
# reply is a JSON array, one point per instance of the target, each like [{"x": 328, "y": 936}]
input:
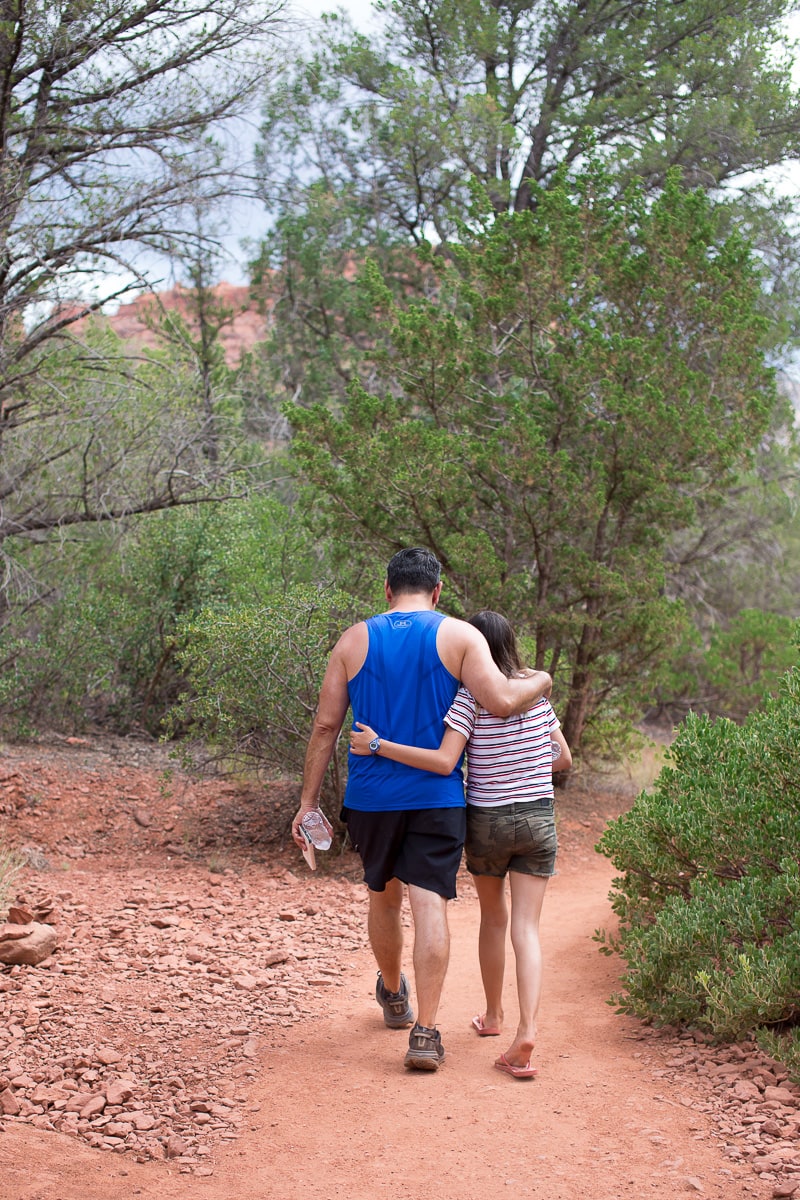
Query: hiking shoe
[
  {"x": 425, "y": 1049},
  {"x": 397, "y": 1012}
]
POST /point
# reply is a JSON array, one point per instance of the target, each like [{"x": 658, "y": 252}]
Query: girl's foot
[
  {"x": 519, "y": 1052},
  {"x": 485, "y": 1027},
  {"x": 517, "y": 1072}
]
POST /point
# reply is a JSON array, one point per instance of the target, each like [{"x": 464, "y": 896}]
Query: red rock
[
  {"x": 93, "y": 1107},
  {"x": 36, "y": 943},
  {"x": 23, "y": 1082},
  {"x": 19, "y": 916},
  {"x": 118, "y": 1091},
  {"x": 142, "y": 1121},
  {"x": 176, "y": 1146},
  {"x": 781, "y": 1095},
  {"x": 244, "y": 983},
  {"x": 117, "y": 1129},
  {"x": 9, "y": 1104},
  {"x": 10, "y": 932},
  {"x": 107, "y": 1055}
]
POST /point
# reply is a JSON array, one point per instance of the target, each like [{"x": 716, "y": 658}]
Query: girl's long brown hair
[{"x": 501, "y": 638}]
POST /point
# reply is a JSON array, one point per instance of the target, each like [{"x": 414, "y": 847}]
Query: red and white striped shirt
[{"x": 509, "y": 759}]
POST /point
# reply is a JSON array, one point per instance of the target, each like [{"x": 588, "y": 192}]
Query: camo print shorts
[{"x": 511, "y": 837}]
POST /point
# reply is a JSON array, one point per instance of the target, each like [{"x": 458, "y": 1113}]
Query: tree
[
  {"x": 589, "y": 371},
  {"x": 99, "y": 438},
  {"x": 107, "y": 111},
  {"x": 371, "y": 143},
  {"x": 508, "y": 91}
]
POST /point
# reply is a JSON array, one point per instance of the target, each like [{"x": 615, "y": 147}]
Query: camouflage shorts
[{"x": 511, "y": 837}]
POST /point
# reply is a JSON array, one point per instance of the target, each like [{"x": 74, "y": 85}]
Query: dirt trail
[{"x": 335, "y": 1114}]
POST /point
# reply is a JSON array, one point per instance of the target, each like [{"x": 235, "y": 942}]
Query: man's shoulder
[
  {"x": 350, "y": 650},
  {"x": 454, "y": 638},
  {"x": 353, "y": 635},
  {"x": 458, "y": 631}
]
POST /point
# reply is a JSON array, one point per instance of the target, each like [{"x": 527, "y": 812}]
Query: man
[{"x": 399, "y": 671}]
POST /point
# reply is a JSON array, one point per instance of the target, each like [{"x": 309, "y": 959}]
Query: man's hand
[{"x": 297, "y": 836}]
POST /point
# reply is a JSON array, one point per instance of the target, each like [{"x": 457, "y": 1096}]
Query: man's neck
[{"x": 411, "y": 602}]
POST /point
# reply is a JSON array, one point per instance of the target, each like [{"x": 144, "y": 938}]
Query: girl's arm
[
  {"x": 564, "y": 760},
  {"x": 441, "y": 761}
]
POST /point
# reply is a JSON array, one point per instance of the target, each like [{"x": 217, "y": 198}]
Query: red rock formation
[{"x": 133, "y": 322}]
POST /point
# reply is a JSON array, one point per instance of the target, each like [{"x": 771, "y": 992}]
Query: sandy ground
[{"x": 328, "y": 1109}]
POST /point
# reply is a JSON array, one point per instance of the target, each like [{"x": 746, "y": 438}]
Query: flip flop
[
  {"x": 485, "y": 1030},
  {"x": 526, "y": 1072}
]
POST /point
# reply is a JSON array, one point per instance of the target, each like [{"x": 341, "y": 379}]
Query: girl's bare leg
[
  {"x": 527, "y": 894},
  {"x": 492, "y": 944}
]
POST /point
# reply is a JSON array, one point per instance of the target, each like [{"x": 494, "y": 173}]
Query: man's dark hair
[{"x": 413, "y": 570}]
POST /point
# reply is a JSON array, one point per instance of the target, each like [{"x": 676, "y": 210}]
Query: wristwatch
[{"x": 375, "y": 745}]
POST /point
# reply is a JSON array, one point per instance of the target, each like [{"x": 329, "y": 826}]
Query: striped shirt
[{"x": 509, "y": 759}]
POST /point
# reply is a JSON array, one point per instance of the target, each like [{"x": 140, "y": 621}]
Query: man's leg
[
  {"x": 431, "y": 950},
  {"x": 385, "y": 929}
]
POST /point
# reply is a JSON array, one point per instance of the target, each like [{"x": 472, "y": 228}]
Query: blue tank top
[{"x": 402, "y": 691}]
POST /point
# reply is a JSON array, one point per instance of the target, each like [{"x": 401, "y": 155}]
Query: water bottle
[{"x": 316, "y": 829}]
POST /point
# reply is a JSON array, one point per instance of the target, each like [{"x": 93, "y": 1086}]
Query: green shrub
[
  {"x": 740, "y": 665},
  {"x": 709, "y": 886},
  {"x": 254, "y": 676},
  {"x": 103, "y": 647}
]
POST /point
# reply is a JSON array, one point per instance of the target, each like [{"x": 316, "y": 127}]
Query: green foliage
[
  {"x": 507, "y": 93},
  {"x": 743, "y": 664},
  {"x": 579, "y": 377},
  {"x": 393, "y": 126},
  {"x": 103, "y": 647},
  {"x": 709, "y": 884},
  {"x": 321, "y": 317},
  {"x": 254, "y": 675}
]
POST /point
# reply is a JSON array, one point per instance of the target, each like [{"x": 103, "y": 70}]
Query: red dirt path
[{"x": 318, "y": 1103}]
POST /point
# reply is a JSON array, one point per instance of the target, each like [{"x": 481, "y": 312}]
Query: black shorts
[{"x": 417, "y": 846}]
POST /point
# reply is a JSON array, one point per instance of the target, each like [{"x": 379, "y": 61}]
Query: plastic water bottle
[{"x": 316, "y": 829}]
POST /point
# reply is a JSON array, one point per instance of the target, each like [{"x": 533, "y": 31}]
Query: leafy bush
[
  {"x": 709, "y": 890},
  {"x": 746, "y": 661},
  {"x": 103, "y": 647},
  {"x": 255, "y": 674},
  {"x": 741, "y": 664}
]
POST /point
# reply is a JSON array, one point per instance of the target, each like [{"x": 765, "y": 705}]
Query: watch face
[{"x": 374, "y": 744}]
